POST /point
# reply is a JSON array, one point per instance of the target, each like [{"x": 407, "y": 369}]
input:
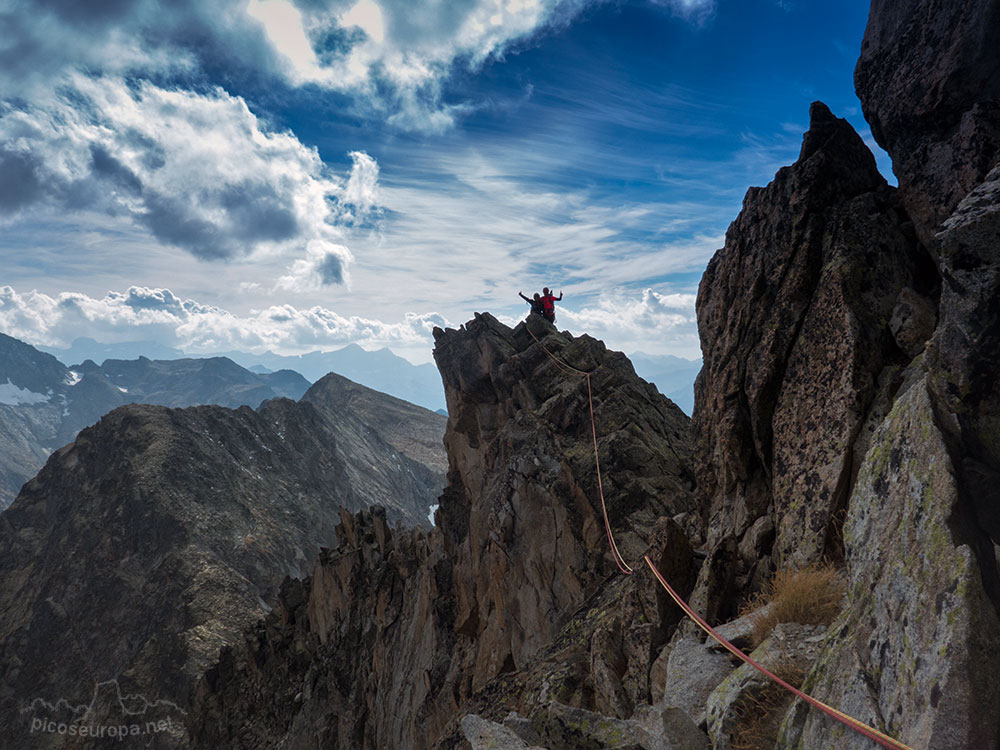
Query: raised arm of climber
[{"x": 536, "y": 303}]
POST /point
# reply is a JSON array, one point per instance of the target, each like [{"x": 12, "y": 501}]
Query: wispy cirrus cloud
[{"x": 698, "y": 10}]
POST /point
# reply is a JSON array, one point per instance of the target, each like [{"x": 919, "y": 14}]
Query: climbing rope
[
  {"x": 858, "y": 726},
  {"x": 623, "y": 566},
  {"x": 849, "y": 721}
]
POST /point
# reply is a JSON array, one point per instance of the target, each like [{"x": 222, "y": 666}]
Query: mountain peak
[{"x": 519, "y": 549}]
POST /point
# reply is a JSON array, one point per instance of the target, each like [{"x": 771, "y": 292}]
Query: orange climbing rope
[
  {"x": 858, "y": 726},
  {"x": 849, "y": 721},
  {"x": 623, "y": 566}
]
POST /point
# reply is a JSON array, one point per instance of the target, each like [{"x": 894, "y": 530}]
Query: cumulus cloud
[
  {"x": 398, "y": 51},
  {"x": 651, "y": 310},
  {"x": 199, "y": 171},
  {"x": 392, "y": 54},
  {"x": 650, "y": 321},
  {"x": 159, "y": 315},
  {"x": 325, "y": 264}
]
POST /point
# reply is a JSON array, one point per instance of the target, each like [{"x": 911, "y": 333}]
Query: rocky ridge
[
  {"x": 800, "y": 359},
  {"x": 847, "y": 410},
  {"x": 159, "y": 534}
]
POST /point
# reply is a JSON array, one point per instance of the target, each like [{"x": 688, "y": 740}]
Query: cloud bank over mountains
[{"x": 160, "y": 316}]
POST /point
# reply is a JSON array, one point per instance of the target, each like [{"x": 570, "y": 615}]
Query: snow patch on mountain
[{"x": 11, "y": 395}]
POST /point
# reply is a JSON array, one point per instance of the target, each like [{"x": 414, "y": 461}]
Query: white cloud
[
  {"x": 650, "y": 311},
  {"x": 325, "y": 264},
  {"x": 653, "y": 322},
  {"x": 197, "y": 170},
  {"x": 360, "y": 195},
  {"x": 158, "y": 315},
  {"x": 396, "y": 53},
  {"x": 391, "y": 54},
  {"x": 283, "y": 25},
  {"x": 367, "y": 16}
]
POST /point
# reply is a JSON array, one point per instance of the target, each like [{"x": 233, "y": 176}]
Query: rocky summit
[{"x": 807, "y": 317}]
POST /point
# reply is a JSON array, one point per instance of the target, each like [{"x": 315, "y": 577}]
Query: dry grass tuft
[
  {"x": 760, "y": 714},
  {"x": 812, "y": 595}
]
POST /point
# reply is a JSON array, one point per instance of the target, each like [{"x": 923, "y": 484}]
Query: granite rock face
[
  {"x": 963, "y": 357},
  {"x": 793, "y": 315},
  {"x": 507, "y": 604},
  {"x": 929, "y": 83},
  {"x": 913, "y": 653},
  {"x": 929, "y": 72}
]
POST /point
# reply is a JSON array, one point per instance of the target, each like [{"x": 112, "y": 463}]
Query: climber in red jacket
[{"x": 549, "y": 305}]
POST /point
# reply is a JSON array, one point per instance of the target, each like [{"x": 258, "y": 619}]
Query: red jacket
[{"x": 549, "y": 302}]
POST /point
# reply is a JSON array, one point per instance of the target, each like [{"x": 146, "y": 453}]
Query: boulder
[
  {"x": 696, "y": 665},
  {"x": 748, "y": 700},
  {"x": 562, "y": 727},
  {"x": 483, "y": 734}
]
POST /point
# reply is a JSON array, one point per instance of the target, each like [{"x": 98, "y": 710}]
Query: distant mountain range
[
  {"x": 158, "y": 535},
  {"x": 673, "y": 376},
  {"x": 380, "y": 369},
  {"x": 44, "y": 403}
]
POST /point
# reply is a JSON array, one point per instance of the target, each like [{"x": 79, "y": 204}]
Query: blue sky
[{"x": 297, "y": 176}]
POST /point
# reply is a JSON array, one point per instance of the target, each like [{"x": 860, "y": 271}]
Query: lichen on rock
[{"x": 913, "y": 653}]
